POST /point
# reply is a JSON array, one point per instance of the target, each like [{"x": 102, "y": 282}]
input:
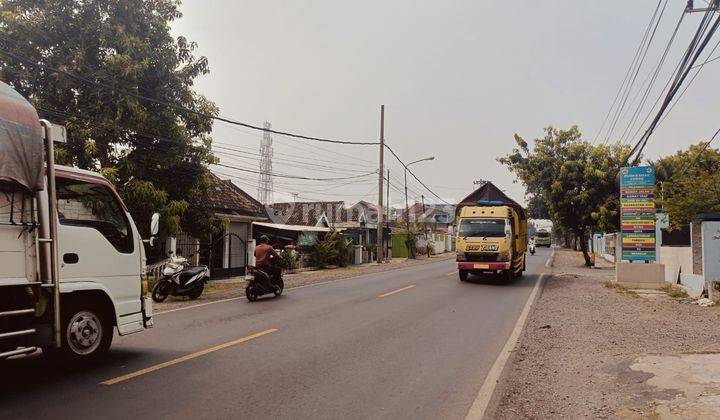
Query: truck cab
[
  {"x": 491, "y": 238},
  {"x": 72, "y": 262},
  {"x": 542, "y": 238}
]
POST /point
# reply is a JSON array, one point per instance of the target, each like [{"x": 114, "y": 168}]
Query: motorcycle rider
[{"x": 264, "y": 256}]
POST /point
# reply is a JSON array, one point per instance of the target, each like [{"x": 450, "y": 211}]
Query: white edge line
[{"x": 477, "y": 411}]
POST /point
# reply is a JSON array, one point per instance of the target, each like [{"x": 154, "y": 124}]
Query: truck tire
[
  {"x": 86, "y": 333},
  {"x": 463, "y": 275}
]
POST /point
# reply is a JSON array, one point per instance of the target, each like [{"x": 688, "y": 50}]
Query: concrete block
[{"x": 640, "y": 276}]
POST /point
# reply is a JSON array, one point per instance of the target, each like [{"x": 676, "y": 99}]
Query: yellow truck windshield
[{"x": 482, "y": 228}]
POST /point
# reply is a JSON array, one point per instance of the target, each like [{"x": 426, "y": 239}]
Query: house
[
  {"x": 437, "y": 217},
  {"x": 300, "y": 224},
  {"x": 304, "y": 223},
  {"x": 226, "y": 253}
]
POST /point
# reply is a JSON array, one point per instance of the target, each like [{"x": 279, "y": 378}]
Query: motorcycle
[
  {"x": 262, "y": 282},
  {"x": 180, "y": 279},
  {"x": 531, "y": 247}
]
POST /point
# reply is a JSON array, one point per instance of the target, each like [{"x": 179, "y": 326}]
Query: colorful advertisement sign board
[{"x": 637, "y": 213}]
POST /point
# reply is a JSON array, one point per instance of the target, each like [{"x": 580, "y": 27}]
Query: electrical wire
[
  {"x": 174, "y": 106},
  {"x": 705, "y": 32},
  {"x": 628, "y": 72},
  {"x": 620, "y": 109}
]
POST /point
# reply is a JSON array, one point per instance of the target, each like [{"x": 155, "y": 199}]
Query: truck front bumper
[{"x": 470, "y": 266}]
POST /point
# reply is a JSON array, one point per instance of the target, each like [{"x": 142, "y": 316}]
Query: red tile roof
[{"x": 226, "y": 197}]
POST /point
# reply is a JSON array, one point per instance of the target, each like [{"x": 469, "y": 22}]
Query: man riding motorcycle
[{"x": 265, "y": 259}]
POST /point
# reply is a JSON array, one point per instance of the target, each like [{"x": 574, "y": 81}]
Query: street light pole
[{"x": 407, "y": 209}]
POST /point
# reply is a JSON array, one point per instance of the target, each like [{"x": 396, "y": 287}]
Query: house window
[{"x": 86, "y": 204}]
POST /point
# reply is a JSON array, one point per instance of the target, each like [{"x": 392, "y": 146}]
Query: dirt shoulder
[
  {"x": 591, "y": 351},
  {"x": 228, "y": 289}
]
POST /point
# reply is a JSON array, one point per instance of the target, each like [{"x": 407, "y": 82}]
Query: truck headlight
[{"x": 461, "y": 256}]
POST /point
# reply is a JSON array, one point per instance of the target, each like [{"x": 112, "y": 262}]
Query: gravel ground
[
  {"x": 231, "y": 289},
  {"x": 574, "y": 356}
]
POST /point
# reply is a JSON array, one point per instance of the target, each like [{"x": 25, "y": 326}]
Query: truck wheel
[
  {"x": 508, "y": 276},
  {"x": 87, "y": 332},
  {"x": 463, "y": 275}
]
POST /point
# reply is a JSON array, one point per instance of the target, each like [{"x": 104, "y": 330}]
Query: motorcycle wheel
[
  {"x": 279, "y": 286},
  {"x": 197, "y": 291},
  {"x": 161, "y": 291},
  {"x": 250, "y": 294}
]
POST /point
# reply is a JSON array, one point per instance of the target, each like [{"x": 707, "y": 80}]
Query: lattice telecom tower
[{"x": 265, "y": 183}]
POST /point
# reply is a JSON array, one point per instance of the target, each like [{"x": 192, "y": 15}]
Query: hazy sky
[{"x": 458, "y": 79}]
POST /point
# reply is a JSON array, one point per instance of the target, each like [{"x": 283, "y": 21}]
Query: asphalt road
[{"x": 411, "y": 343}]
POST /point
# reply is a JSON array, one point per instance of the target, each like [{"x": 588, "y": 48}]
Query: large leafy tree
[
  {"x": 156, "y": 153},
  {"x": 689, "y": 183},
  {"x": 575, "y": 179}
]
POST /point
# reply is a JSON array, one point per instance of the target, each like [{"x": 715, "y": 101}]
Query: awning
[{"x": 294, "y": 228}]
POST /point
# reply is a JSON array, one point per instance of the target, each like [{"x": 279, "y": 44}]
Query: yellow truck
[{"x": 491, "y": 238}]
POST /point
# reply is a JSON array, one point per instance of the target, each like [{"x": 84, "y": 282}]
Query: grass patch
[
  {"x": 674, "y": 291},
  {"x": 619, "y": 288}
]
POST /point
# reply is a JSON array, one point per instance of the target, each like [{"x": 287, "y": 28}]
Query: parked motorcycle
[
  {"x": 531, "y": 247},
  {"x": 181, "y": 279},
  {"x": 264, "y": 283}
]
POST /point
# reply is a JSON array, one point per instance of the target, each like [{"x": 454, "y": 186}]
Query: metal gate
[{"x": 225, "y": 255}]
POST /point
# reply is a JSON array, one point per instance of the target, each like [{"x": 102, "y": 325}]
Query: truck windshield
[
  {"x": 487, "y": 228},
  {"x": 543, "y": 234}
]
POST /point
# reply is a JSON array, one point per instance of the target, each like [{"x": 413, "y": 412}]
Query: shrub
[
  {"x": 289, "y": 259},
  {"x": 333, "y": 249}
]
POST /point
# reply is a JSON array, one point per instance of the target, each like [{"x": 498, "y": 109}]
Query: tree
[
  {"x": 574, "y": 178},
  {"x": 537, "y": 208},
  {"x": 116, "y": 47},
  {"x": 689, "y": 183}
]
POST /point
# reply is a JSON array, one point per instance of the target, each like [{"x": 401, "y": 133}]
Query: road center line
[
  {"x": 402, "y": 289},
  {"x": 452, "y": 273},
  {"x": 150, "y": 369}
]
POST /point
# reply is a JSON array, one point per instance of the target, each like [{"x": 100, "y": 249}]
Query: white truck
[{"x": 72, "y": 263}]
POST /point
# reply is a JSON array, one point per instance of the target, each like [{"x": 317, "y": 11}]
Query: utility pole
[
  {"x": 380, "y": 256},
  {"x": 407, "y": 218},
  {"x": 427, "y": 243},
  {"x": 387, "y": 219}
]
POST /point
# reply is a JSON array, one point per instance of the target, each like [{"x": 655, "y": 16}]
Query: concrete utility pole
[
  {"x": 388, "y": 255},
  {"x": 427, "y": 243},
  {"x": 380, "y": 247}
]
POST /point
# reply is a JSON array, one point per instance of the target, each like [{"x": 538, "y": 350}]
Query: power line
[
  {"x": 691, "y": 55},
  {"x": 413, "y": 175},
  {"x": 174, "y": 106},
  {"x": 628, "y": 72},
  {"x": 655, "y": 74},
  {"x": 113, "y": 89},
  {"x": 295, "y": 176},
  {"x": 641, "y": 61}
]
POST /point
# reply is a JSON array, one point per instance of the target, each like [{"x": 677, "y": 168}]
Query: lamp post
[{"x": 407, "y": 209}]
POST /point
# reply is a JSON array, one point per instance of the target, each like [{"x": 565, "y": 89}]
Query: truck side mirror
[
  {"x": 155, "y": 224},
  {"x": 508, "y": 230}
]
